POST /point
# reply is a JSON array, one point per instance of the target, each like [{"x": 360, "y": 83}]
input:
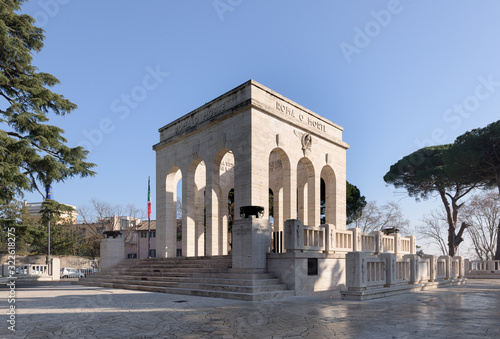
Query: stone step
[
  {"x": 201, "y": 293},
  {"x": 195, "y": 274},
  {"x": 202, "y": 279},
  {"x": 179, "y": 260},
  {"x": 232, "y": 295},
  {"x": 198, "y": 286},
  {"x": 171, "y": 270},
  {"x": 202, "y": 276}
]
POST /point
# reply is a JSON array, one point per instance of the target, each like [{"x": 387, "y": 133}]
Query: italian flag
[{"x": 149, "y": 200}]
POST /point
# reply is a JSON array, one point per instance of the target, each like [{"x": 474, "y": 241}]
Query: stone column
[
  {"x": 212, "y": 201},
  {"x": 188, "y": 216}
]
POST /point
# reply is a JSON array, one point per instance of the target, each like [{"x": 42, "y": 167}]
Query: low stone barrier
[
  {"x": 482, "y": 269},
  {"x": 370, "y": 276}
]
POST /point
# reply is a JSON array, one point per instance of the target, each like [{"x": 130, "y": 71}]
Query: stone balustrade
[
  {"x": 32, "y": 270},
  {"x": 484, "y": 269},
  {"x": 365, "y": 271},
  {"x": 480, "y": 265},
  {"x": 326, "y": 238}
]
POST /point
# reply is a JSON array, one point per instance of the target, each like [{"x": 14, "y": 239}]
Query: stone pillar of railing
[
  {"x": 432, "y": 266},
  {"x": 413, "y": 244},
  {"x": 397, "y": 243},
  {"x": 447, "y": 266},
  {"x": 467, "y": 267},
  {"x": 55, "y": 268},
  {"x": 355, "y": 268},
  {"x": 390, "y": 268},
  {"x": 461, "y": 266},
  {"x": 294, "y": 235},
  {"x": 379, "y": 241},
  {"x": 414, "y": 274},
  {"x": 5, "y": 270},
  {"x": 329, "y": 231},
  {"x": 356, "y": 239}
]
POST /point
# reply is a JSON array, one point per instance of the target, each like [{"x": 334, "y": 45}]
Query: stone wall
[{"x": 65, "y": 261}]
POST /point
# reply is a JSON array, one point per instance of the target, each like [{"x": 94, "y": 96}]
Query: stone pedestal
[
  {"x": 251, "y": 242},
  {"x": 112, "y": 252},
  {"x": 55, "y": 268}
]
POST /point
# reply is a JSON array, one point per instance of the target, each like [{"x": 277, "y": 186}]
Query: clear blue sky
[{"x": 397, "y": 75}]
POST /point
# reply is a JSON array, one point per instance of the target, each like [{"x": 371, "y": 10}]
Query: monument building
[
  {"x": 233, "y": 154},
  {"x": 253, "y": 140}
]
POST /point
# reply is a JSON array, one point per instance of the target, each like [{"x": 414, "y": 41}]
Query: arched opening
[
  {"x": 306, "y": 193},
  {"x": 328, "y": 196},
  {"x": 167, "y": 235},
  {"x": 280, "y": 186},
  {"x": 271, "y": 207},
  {"x": 221, "y": 183},
  {"x": 230, "y": 219},
  {"x": 193, "y": 206},
  {"x": 178, "y": 218}
]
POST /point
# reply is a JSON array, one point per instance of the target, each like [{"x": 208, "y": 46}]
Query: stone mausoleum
[
  {"x": 254, "y": 143},
  {"x": 246, "y": 146},
  {"x": 252, "y": 140}
]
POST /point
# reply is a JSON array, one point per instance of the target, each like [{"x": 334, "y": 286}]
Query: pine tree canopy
[{"x": 33, "y": 153}]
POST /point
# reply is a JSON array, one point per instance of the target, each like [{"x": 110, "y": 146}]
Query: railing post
[
  {"x": 329, "y": 232},
  {"x": 433, "y": 267},
  {"x": 447, "y": 265},
  {"x": 356, "y": 239},
  {"x": 414, "y": 274},
  {"x": 397, "y": 243},
  {"x": 356, "y": 271},
  {"x": 55, "y": 265},
  {"x": 467, "y": 267},
  {"x": 390, "y": 268},
  {"x": 461, "y": 266},
  {"x": 294, "y": 235},
  {"x": 379, "y": 241},
  {"x": 413, "y": 244}
]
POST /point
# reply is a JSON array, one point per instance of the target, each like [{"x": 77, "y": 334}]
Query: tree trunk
[
  {"x": 451, "y": 215},
  {"x": 497, "y": 253}
]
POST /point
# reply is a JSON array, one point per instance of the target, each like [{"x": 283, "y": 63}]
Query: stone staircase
[{"x": 200, "y": 276}]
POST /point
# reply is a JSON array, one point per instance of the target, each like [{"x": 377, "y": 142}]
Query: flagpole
[
  {"x": 48, "y": 196},
  {"x": 149, "y": 221}
]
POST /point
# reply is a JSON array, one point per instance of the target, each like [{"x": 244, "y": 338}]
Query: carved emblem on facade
[{"x": 305, "y": 139}]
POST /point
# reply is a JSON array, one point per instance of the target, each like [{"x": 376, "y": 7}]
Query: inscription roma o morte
[{"x": 284, "y": 109}]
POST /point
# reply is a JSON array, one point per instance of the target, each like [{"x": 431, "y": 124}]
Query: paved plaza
[{"x": 62, "y": 310}]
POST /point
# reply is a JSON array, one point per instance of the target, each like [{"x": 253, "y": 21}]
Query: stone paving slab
[{"x": 61, "y": 310}]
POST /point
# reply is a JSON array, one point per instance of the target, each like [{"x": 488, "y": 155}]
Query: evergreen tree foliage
[
  {"x": 479, "y": 152},
  {"x": 354, "y": 204},
  {"x": 432, "y": 170},
  {"x": 33, "y": 154}
]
